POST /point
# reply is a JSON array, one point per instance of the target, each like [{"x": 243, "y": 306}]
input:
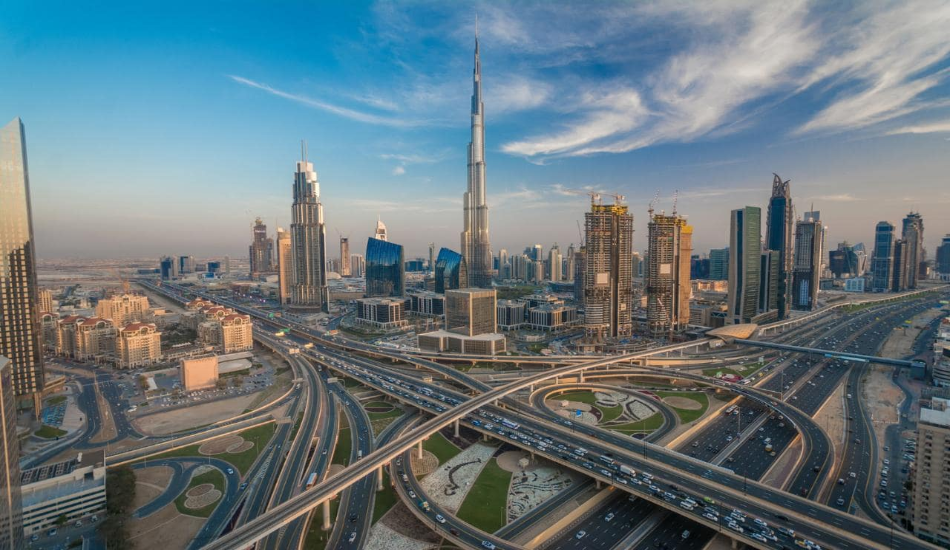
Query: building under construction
[
  {"x": 608, "y": 271},
  {"x": 667, "y": 274}
]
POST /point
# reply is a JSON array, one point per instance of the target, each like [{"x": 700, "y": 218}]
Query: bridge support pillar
[
  {"x": 456, "y": 428},
  {"x": 735, "y": 544},
  {"x": 580, "y": 376},
  {"x": 484, "y": 437},
  {"x": 419, "y": 453},
  {"x": 379, "y": 479},
  {"x": 531, "y": 388},
  {"x": 326, "y": 515},
  {"x": 597, "y": 481}
]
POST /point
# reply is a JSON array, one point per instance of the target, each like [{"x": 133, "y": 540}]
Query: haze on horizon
[{"x": 167, "y": 129}]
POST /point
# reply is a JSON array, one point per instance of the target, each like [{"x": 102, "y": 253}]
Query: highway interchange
[{"x": 809, "y": 383}]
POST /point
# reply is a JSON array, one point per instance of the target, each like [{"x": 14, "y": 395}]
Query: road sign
[{"x": 577, "y": 413}]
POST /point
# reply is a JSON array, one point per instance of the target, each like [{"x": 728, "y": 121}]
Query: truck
[
  {"x": 308, "y": 345},
  {"x": 312, "y": 480},
  {"x": 624, "y": 469},
  {"x": 768, "y": 448},
  {"x": 580, "y": 451}
]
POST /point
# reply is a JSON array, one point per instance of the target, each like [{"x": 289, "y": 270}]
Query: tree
[
  {"x": 120, "y": 494},
  {"x": 61, "y": 520}
]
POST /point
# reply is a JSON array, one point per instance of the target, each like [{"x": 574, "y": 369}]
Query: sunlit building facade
[
  {"x": 451, "y": 271},
  {"x": 385, "y": 269}
]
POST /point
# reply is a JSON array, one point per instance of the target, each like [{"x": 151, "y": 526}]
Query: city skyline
[{"x": 595, "y": 109}]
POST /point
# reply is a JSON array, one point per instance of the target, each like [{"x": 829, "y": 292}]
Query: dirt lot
[
  {"x": 191, "y": 417},
  {"x": 149, "y": 483},
  {"x": 883, "y": 397},
  {"x": 831, "y": 418},
  {"x": 164, "y": 529}
]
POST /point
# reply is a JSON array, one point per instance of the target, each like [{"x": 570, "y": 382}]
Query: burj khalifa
[{"x": 475, "y": 245}]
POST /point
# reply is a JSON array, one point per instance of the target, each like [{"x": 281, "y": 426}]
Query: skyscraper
[
  {"x": 475, "y": 243},
  {"x": 470, "y": 311},
  {"x": 432, "y": 259},
  {"x": 19, "y": 318},
  {"x": 285, "y": 265},
  {"x": 900, "y": 266},
  {"x": 778, "y": 237},
  {"x": 719, "y": 264},
  {"x": 670, "y": 244},
  {"x": 809, "y": 236},
  {"x": 608, "y": 276},
  {"x": 882, "y": 266},
  {"x": 554, "y": 258},
  {"x": 943, "y": 256},
  {"x": 450, "y": 271},
  {"x": 344, "y": 257},
  {"x": 745, "y": 257},
  {"x": 385, "y": 269},
  {"x": 913, "y": 234},
  {"x": 357, "y": 265},
  {"x": 308, "y": 237},
  {"x": 168, "y": 268},
  {"x": 569, "y": 260},
  {"x": 11, "y": 520},
  {"x": 380, "y": 231},
  {"x": 261, "y": 251}
]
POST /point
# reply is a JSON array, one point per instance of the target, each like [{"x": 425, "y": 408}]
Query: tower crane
[{"x": 595, "y": 196}]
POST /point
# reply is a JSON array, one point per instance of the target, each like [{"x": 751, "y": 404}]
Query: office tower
[
  {"x": 261, "y": 251},
  {"x": 502, "y": 258},
  {"x": 670, "y": 243},
  {"x": 537, "y": 253},
  {"x": 285, "y": 265},
  {"x": 913, "y": 234},
  {"x": 308, "y": 238},
  {"x": 745, "y": 260},
  {"x": 698, "y": 267},
  {"x": 537, "y": 271},
  {"x": 847, "y": 260},
  {"x": 931, "y": 488},
  {"x": 123, "y": 309},
  {"x": 580, "y": 273},
  {"x": 344, "y": 257},
  {"x": 385, "y": 269},
  {"x": 475, "y": 243},
  {"x": 943, "y": 256},
  {"x": 451, "y": 272},
  {"x": 809, "y": 236},
  {"x": 45, "y": 300},
  {"x": 900, "y": 265},
  {"x": 719, "y": 264},
  {"x": 608, "y": 277},
  {"x": 432, "y": 259},
  {"x": 554, "y": 259},
  {"x": 769, "y": 270},
  {"x": 569, "y": 263},
  {"x": 168, "y": 268},
  {"x": 214, "y": 268},
  {"x": 882, "y": 266},
  {"x": 380, "y": 231},
  {"x": 357, "y": 265},
  {"x": 19, "y": 319},
  {"x": 186, "y": 264},
  {"x": 11, "y": 520},
  {"x": 470, "y": 311},
  {"x": 778, "y": 236}
]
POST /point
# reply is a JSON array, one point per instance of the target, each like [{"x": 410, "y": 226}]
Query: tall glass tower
[
  {"x": 308, "y": 235},
  {"x": 883, "y": 264},
  {"x": 475, "y": 246},
  {"x": 19, "y": 322},
  {"x": 745, "y": 264},
  {"x": 778, "y": 237}
]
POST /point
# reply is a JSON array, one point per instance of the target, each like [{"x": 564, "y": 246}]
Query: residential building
[
  {"x": 308, "y": 236},
  {"x": 608, "y": 275},
  {"x": 913, "y": 234},
  {"x": 930, "y": 515},
  {"x": 384, "y": 313},
  {"x": 745, "y": 261},
  {"x": 778, "y": 237},
  {"x": 261, "y": 251},
  {"x": 19, "y": 318},
  {"x": 809, "y": 236},
  {"x": 344, "y": 257},
  {"x": 11, "y": 516},
  {"x": 510, "y": 314},
  {"x": 554, "y": 259},
  {"x": 285, "y": 265},
  {"x": 357, "y": 265},
  {"x": 45, "y": 300},
  {"x": 668, "y": 273},
  {"x": 900, "y": 266},
  {"x": 138, "y": 344},
  {"x": 123, "y": 309},
  {"x": 474, "y": 239},
  {"x": 95, "y": 339},
  {"x": 470, "y": 311},
  {"x": 237, "y": 333},
  {"x": 385, "y": 269},
  {"x": 719, "y": 264},
  {"x": 882, "y": 265},
  {"x": 199, "y": 373},
  {"x": 451, "y": 271},
  {"x": 769, "y": 273},
  {"x": 49, "y": 330},
  {"x": 569, "y": 261},
  {"x": 943, "y": 256},
  {"x": 73, "y": 489}
]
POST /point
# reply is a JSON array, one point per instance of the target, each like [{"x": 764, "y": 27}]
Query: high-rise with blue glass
[
  {"x": 451, "y": 271},
  {"x": 882, "y": 267},
  {"x": 385, "y": 269},
  {"x": 778, "y": 237}
]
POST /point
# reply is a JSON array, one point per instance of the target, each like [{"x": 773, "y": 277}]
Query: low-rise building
[
  {"x": 138, "y": 344},
  {"x": 72, "y": 489},
  {"x": 237, "y": 333},
  {"x": 49, "y": 329},
  {"x": 511, "y": 314},
  {"x": 854, "y": 284},
  {"x": 385, "y": 313},
  {"x": 551, "y": 316},
  {"x": 427, "y": 303},
  {"x": 199, "y": 373},
  {"x": 452, "y": 342}
]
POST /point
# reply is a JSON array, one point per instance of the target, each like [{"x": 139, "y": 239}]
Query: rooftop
[
  {"x": 48, "y": 471},
  {"x": 938, "y": 414},
  {"x": 487, "y": 337}
]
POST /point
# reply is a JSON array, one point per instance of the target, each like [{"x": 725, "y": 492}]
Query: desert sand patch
[{"x": 682, "y": 403}]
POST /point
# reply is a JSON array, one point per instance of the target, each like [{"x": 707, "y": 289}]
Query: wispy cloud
[
  {"x": 345, "y": 112},
  {"x": 411, "y": 158},
  {"x": 842, "y": 197},
  {"x": 937, "y": 127},
  {"x": 399, "y": 170}
]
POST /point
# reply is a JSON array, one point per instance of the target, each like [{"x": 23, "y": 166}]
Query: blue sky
[{"x": 168, "y": 128}]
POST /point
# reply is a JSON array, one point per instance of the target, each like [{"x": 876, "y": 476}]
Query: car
[
  {"x": 51, "y": 533},
  {"x": 230, "y": 471},
  {"x": 887, "y": 462},
  {"x": 440, "y": 518},
  {"x": 580, "y": 534},
  {"x": 352, "y": 536},
  {"x": 244, "y": 486},
  {"x": 412, "y": 494},
  {"x": 488, "y": 545},
  {"x": 852, "y": 475},
  {"x": 35, "y": 538},
  {"x": 94, "y": 519},
  {"x": 353, "y": 518},
  {"x": 760, "y": 523},
  {"x": 685, "y": 534},
  {"x": 840, "y": 502}
]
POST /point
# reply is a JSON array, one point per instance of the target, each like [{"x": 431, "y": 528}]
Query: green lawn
[
  {"x": 344, "y": 445},
  {"x": 49, "y": 432},
  {"x": 385, "y": 499},
  {"x": 379, "y": 404},
  {"x": 607, "y": 413},
  {"x": 536, "y": 347},
  {"x": 715, "y": 371},
  {"x": 214, "y": 477},
  {"x": 485, "y": 505},
  {"x": 687, "y": 415},
  {"x": 56, "y": 400},
  {"x": 395, "y": 413},
  {"x": 646, "y": 425},
  {"x": 261, "y": 436},
  {"x": 441, "y": 447}
]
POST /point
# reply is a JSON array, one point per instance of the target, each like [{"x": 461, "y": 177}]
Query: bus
[
  {"x": 510, "y": 424},
  {"x": 312, "y": 480}
]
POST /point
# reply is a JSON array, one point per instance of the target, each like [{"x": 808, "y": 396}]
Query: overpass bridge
[{"x": 844, "y": 356}]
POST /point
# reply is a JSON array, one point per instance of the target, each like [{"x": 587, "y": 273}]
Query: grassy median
[
  {"x": 486, "y": 505},
  {"x": 214, "y": 477},
  {"x": 441, "y": 447},
  {"x": 687, "y": 415}
]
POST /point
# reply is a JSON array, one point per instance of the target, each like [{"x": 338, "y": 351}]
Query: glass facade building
[
  {"x": 451, "y": 271},
  {"x": 11, "y": 520},
  {"x": 882, "y": 266},
  {"x": 745, "y": 264},
  {"x": 778, "y": 237},
  {"x": 385, "y": 269},
  {"x": 19, "y": 318}
]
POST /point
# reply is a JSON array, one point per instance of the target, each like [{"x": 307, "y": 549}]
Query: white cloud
[
  {"x": 940, "y": 126},
  {"x": 842, "y": 197},
  {"x": 399, "y": 170}
]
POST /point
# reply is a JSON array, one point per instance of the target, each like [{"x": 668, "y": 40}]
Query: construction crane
[
  {"x": 126, "y": 286},
  {"x": 656, "y": 197},
  {"x": 595, "y": 196}
]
